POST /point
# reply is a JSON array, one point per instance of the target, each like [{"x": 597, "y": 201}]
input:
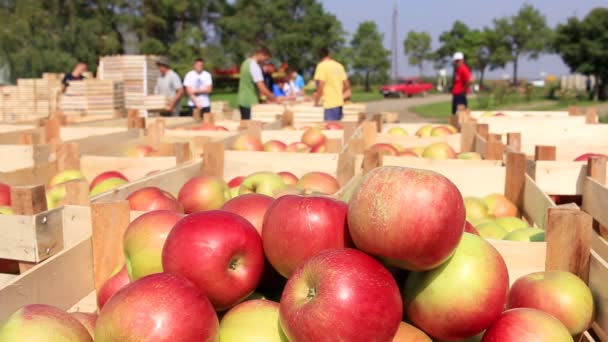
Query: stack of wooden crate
[
  {"x": 94, "y": 97},
  {"x": 31, "y": 99}
]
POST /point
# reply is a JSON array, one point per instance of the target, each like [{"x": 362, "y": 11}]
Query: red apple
[
  {"x": 468, "y": 228},
  {"x": 463, "y": 296},
  {"x": 558, "y": 293},
  {"x": 321, "y": 148},
  {"x": 236, "y": 182},
  {"x": 409, "y": 333},
  {"x": 247, "y": 142},
  {"x": 116, "y": 282},
  {"x": 39, "y": 322},
  {"x": 288, "y": 177},
  {"x": 313, "y": 137},
  {"x": 227, "y": 252},
  {"x": 499, "y": 206},
  {"x": 318, "y": 182},
  {"x": 144, "y": 240},
  {"x": 408, "y": 153},
  {"x": 105, "y": 176},
  {"x": 152, "y": 198},
  {"x": 5, "y": 195},
  {"x": 298, "y": 227},
  {"x": 299, "y": 147},
  {"x": 585, "y": 157},
  {"x": 206, "y": 127},
  {"x": 519, "y": 325},
  {"x": 251, "y": 207},
  {"x": 160, "y": 307},
  {"x": 87, "y": 320},
  {"x": 341, "y": 295},
  {"x": 221, "y": 128},
  {"x": 139, "y": 151},
  {"x": 439, "y": 151},
  {"x": 203, "y": 193},
  {"x": 413, "y": 218},
  {"x": 384, "y": 149},
  {"x": 441, "y": 131},
  {"x": 274, "y": 146},
  {"x": 333, "y": 126}
]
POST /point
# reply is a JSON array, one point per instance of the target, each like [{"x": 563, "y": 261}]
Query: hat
[
  {"x": 458, "y": 56},
  {"x": 162, "y": 61}
]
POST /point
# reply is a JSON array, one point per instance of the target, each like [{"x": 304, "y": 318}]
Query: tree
[
  {"x": 417, "y": 46},
  {"x": 583, "y": 45},
  {"x": 369, "y": 56},
  {"x": 525, "y": 34},
  {"x": 293, "y": 30}
]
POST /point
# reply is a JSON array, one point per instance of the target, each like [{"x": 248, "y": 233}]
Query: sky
[{"x": 437, "y": 16}]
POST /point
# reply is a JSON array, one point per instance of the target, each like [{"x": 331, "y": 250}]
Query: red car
[{"x": 406, "y": 87}]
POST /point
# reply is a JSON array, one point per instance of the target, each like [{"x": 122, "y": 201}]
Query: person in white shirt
[{"x": 199, "y": 85}]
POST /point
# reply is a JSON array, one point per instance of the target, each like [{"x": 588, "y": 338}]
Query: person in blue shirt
[
  {"x": 298, "y": 80},
  {"x": 277, "y": 88}
]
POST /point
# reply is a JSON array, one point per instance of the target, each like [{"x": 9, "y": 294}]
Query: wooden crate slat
[{"x": 595, "y": 200}]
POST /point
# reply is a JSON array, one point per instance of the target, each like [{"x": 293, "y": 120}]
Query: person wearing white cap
[{"x": 461, "y": 82}]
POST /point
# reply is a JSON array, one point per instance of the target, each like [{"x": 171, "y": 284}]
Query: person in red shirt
[{"x": 461, "y": 83}]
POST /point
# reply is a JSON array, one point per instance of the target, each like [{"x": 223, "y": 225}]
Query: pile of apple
[
  {"x": 314, "y": 268},
  {"x": 313, "y": 141},
  {"x": 426, "y": 131},
  {"x": 433, "y": 151},
  {"x": 106, "y": 181},
  {"x": 495, "y": 217}
]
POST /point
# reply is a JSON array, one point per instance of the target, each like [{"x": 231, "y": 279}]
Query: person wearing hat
[
  {"x": 170, "y": 85},
  {"x": 462, "y": 81}
]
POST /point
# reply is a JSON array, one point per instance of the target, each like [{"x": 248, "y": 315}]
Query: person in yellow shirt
[{"x": 332, "y": 86}]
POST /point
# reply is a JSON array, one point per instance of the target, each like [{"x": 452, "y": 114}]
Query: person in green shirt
[{"x": 251, "y": 82}]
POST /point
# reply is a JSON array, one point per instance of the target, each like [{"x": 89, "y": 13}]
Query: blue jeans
[{"x": 332, "y": 114}]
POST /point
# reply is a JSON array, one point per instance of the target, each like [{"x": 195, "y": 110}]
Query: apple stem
[
  {"x": 311, "y": 293},
  {"x": 233, "y": 263}
]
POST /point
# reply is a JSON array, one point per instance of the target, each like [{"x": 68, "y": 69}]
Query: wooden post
[
  {"x": 28, "y": 200},
  {"x": 370, "y": 132},
  {"x": 182, "y": 152},
  {"x": 52, "y": 130},
  {"x": 467, "y": 140},
  {"x": 596, "y": 169},
  {"x": 110, "y": 221},
  {"x": 346, "y": 168},
  {"x": 515, "y": 178},
  {"x": 29, "y": 139},
  {"x": 573, "y": 110},
  {"x": 213, "y": 159},
  {"x": 198, "y": 145},
  {"x": 371, "y": 160},
  {"x": 494, "y": 138},
  {"x": 379, "y": 121},
  {"x": 591, "y": 116},
  {"x": 483, "y": 130},
  {"x": 132, "y": 118},
  {"x": 361, "y": 117},
  {"x": 208, "y": 118},
  {"x": 255, "y": 128},
  {"x": 156, "y": 132},
  {"x": 287, "y": 119},
  {"x": 333, "y": 145},
  {"x": 568, "y": 236},
  {"x": 68, "y": 157},
  {"x": 77, "y": 192},
  {"x": 542, "y": 152},
  {"x": 349, "y": 129},
  {"x": 196, "y": 114},
  {"x": 355, "y": 146},
  {"x": 494, "y": 150},
  {"x": 514, "y": 141}
]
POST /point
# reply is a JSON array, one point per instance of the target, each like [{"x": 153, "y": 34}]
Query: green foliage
[
  {"x": 417, "y": 46},
  {"x": 369, "y": 56},
  {"x": 583, "y": 45}
]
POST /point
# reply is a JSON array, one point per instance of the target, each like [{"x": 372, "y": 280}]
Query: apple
[
  {"x": 409, "y": 333},
  {"x": 55, "y": 196},
  {"x": 221, "y": 129},
  {"x": 203, "y": 193},
  {"x": 510, "y": 223},
  {"x": 247, "y": 142},
  {"x": 288, "y": 177},
  {"x": 469, "y": 156},
  {"x": 448, "y": 302},
  {"x": 468, "y": 228},
  {"x": 298, "y": 227},
  {"x": 265, "y": 183},
  {"x": 526, "y": 235},
  {"x": 500, "y": 206},
  {"x": 440, "y": 131},
  {"x": 107, "y": 185},
  {"x": 386, "y": 217},
  {"x": 491, "y": 230},
  {"x": 341, "y": 295},
  {"x": 5, "y": 195},
  {"x": 139, "y": 151},
  {"x": 520, "y": 325},
  {"x": 144, "y": 240},
  {"x": 160, "y": 307},
  {"x": 499, "y": 114},
  {"x": 234, "y": 185},
  {"x": 40, "y": 322},
  {"x": 313, "y": 137},
  {"x": 397, "y": 131},
  {"x": 321, "y": 148},
  {"x": 561, "y": 294},
  {"x": 274, "y": 146},
  {"x": 408, "y": 154},
  {"x": 487, "y": 114},
  {"x": 476, "y": 208},
  {"x": 105, "y": 176},
  {"x": 425, "y": 131},
  {"x": 205, "y": 127},
  {"x": 585, "y": 157},
  {"x": 453, "y": 129},
  {"x": 152, "y": 198},
  {"x": 299, "y": 147},
  {"x": 5, "y": 210},
  {"x": 87, "y": 320},
  {"x": 333, "y": 126},
  {"x": 116, "y": 282},
  {"x": 439, "y": 151},
  {"x": 227, "y": 252},
  {"x": 65, "y": 176},
  {"x": 398, "y": 147},
  {"x": 251, "y": 207},
  {"x": 418, "y": 150},
  {"x": 320, "y": 182},
  {"x": 384, "y": 149},
  {"x": 252, "y": 321}
]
